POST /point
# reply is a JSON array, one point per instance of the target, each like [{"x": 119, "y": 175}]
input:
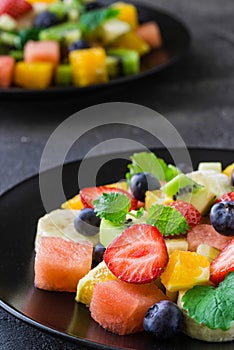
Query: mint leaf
[
  {"x": 89, "y": 21},
  {"x": 168, "y": 220},
  {"x": 148, "y": 162},
  {"x": 212, "y": 306},
  {"x": 112, "y": 206}
]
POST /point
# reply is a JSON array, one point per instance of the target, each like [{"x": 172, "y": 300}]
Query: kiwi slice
[{"x": 180, "y": 186}]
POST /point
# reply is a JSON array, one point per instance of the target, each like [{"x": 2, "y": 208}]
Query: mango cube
[
  {"x": 127, "y": 13},
  {"x": 89, "y": 66},
  {"x": 33, "y": 75}
]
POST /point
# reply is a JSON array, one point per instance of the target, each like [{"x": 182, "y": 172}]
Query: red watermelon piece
[{"x": 7, "y": 65}]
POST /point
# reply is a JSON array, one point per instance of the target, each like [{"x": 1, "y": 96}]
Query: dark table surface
[{"x": 196, "y": 96}]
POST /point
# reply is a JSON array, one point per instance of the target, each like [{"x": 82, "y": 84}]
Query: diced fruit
[
  {"x": 208, "y": 251},
  {"x": 228, "y": 170},
  {"x": 60, "y": 264},
  {"x": 63, "y": 75},
  {"x": 113, "y": 66},
  {"x": 33, "y": 75},
  {"x": 89, "y": 194},
  {"x": 73, "y": 203},
  {"x": 150, "y": 33},
  {"x": 87, "y": 222},
  {"x": 142, "y": 182},
  {"x": 191, "y": 214},
  {"x": 45, "y": 19},
  {"x": 154, "y": 197},
  {"x": 86, "y": 284},
  {"x": 111, "y": 30},
  {"x": 42, "y": 51},
  {"x": 205, "y": 234},
  {"x": 89, "y": 66},
  {"x": 226, "y": 197},
  {"x": 60, "y": 223},
  {"x": 223, "y": 263},
  {"x": 163, "y": 319},
  {"x": 127, "y": 13},
  {"x": 184, "y": 270},
  {"x": 60, "y": 32},
  {"x": 216, "y": 183},
  {"x": 216, "y": 166},
  {"x": 222, "y": 218},
  {"x": 7, "y": 22},
  {"x": 14, "y": 8},
  {"x": 174, "y": 244},
  {"x": 130, "y": 41},
  {"x": 129, "y": 60},
  {"x": 109, "y": 231},
  {"x": 202, "y": 200},
  {"x": 138, "y": 255},
  {"x": 7, "y": 64},
  {"x": 120, "y": 307},
  {"x": 179, "y": 186}
]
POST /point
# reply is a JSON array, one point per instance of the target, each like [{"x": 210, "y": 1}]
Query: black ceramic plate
[
  {"x": 58, "y": 313},
  {"x": 175, "y": 43}
]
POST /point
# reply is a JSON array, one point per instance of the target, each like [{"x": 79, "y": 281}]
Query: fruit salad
[
  {"x": 76, "y": 43},
  {"x": 151, "y": 253}
]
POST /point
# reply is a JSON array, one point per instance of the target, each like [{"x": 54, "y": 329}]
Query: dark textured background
[{"x": 196, "y": 95}]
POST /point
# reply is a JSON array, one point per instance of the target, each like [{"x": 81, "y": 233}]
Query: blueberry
[
  {"x": 98, "y": 252},
  {"x": 87, "y": 222},
  {"x": 142, "y": 182},
  {"x": 45, "y": 19},
  {"x": 163, "y": 319},
  {"x": 232, "y": 178},
  {"x": 79, "y": 45},
  {"x": 222, "y": 218},
  {"x": 94, "y": 5}
]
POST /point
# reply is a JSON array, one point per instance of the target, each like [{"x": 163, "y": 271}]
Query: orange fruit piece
[
  {"x": 73, "y": 203},
  {"x": 184, "y": 270}
]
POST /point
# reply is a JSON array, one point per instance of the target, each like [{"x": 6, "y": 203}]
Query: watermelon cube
[
  {"x": 42, "y": 51},
  {"x": 120, "y": 307},
  {"x": 60, "y": 264},
  {"x": 7, "y": 64}
]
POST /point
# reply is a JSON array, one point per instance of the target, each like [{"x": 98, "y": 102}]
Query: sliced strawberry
[
  {"x": 223, "y": 264},
  {"x": 14, "y": 8},
  {"x": 191, "y": 214},
  {"x": 138, "y": 255},
  {"x": 89, "y": 194},
  {"x": 227, "y": 197}
]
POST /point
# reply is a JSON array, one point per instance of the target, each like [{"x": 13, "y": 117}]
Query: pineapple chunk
[
  {"x": 209, "y": 252},
  {"x": 176, "y": 244}
]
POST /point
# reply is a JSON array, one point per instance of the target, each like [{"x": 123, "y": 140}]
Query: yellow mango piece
[
  {"x": 89, "y": 66},
  {"x": 184, "y": 270},
  {"x": 33, "y": 75},
  {"x": 131, "y": 41},
  {"x": 154, "y": 197},
  {"x": 122, "y": 185},
  {"x": 73, "y": 203},
  {"x": 228, "y": 170},
  {"x": 127, "y": 13}
]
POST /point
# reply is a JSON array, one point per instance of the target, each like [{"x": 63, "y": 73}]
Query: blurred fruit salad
[{"x": 71, "y": 42}]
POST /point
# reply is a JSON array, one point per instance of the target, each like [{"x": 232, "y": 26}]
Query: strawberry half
[
  {"x": 138, "y": 255},
  {"x": 14, "y": 8},
  {"x": 191, "y": 214},
  {"x": 89, "y": 194},
  {"x": 223, "y": 263},
  {"x": 227, "y": 197}
]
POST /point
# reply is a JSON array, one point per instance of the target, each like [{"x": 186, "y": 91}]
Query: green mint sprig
[
  {"x": 212, "y": 306},
  {"x": 168, "y": 220},
  {"x": 112, "y": 206},
  {"x": 89, "y": 21},
  {"x": 148, "y": 162}
]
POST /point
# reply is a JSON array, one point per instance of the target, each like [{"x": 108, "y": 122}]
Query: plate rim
[
  {"x": 50, "y": 330},
  {"x": 5, "y": 92}
]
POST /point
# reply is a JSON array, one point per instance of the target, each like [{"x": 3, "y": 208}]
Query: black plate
[
  {"x": 176, "y": 41},
  {"x": 58, "y": 313}
]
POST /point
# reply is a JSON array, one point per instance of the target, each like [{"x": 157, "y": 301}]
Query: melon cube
[
  {"x": 7, "y": 64},
  {"x": 60, "y": 264},
  {"x": 150, "y": 33},
  {"x": 33, "y": 75},
  {"x": 120, "y": 307},
  {"x": 42, "y": 51}
]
